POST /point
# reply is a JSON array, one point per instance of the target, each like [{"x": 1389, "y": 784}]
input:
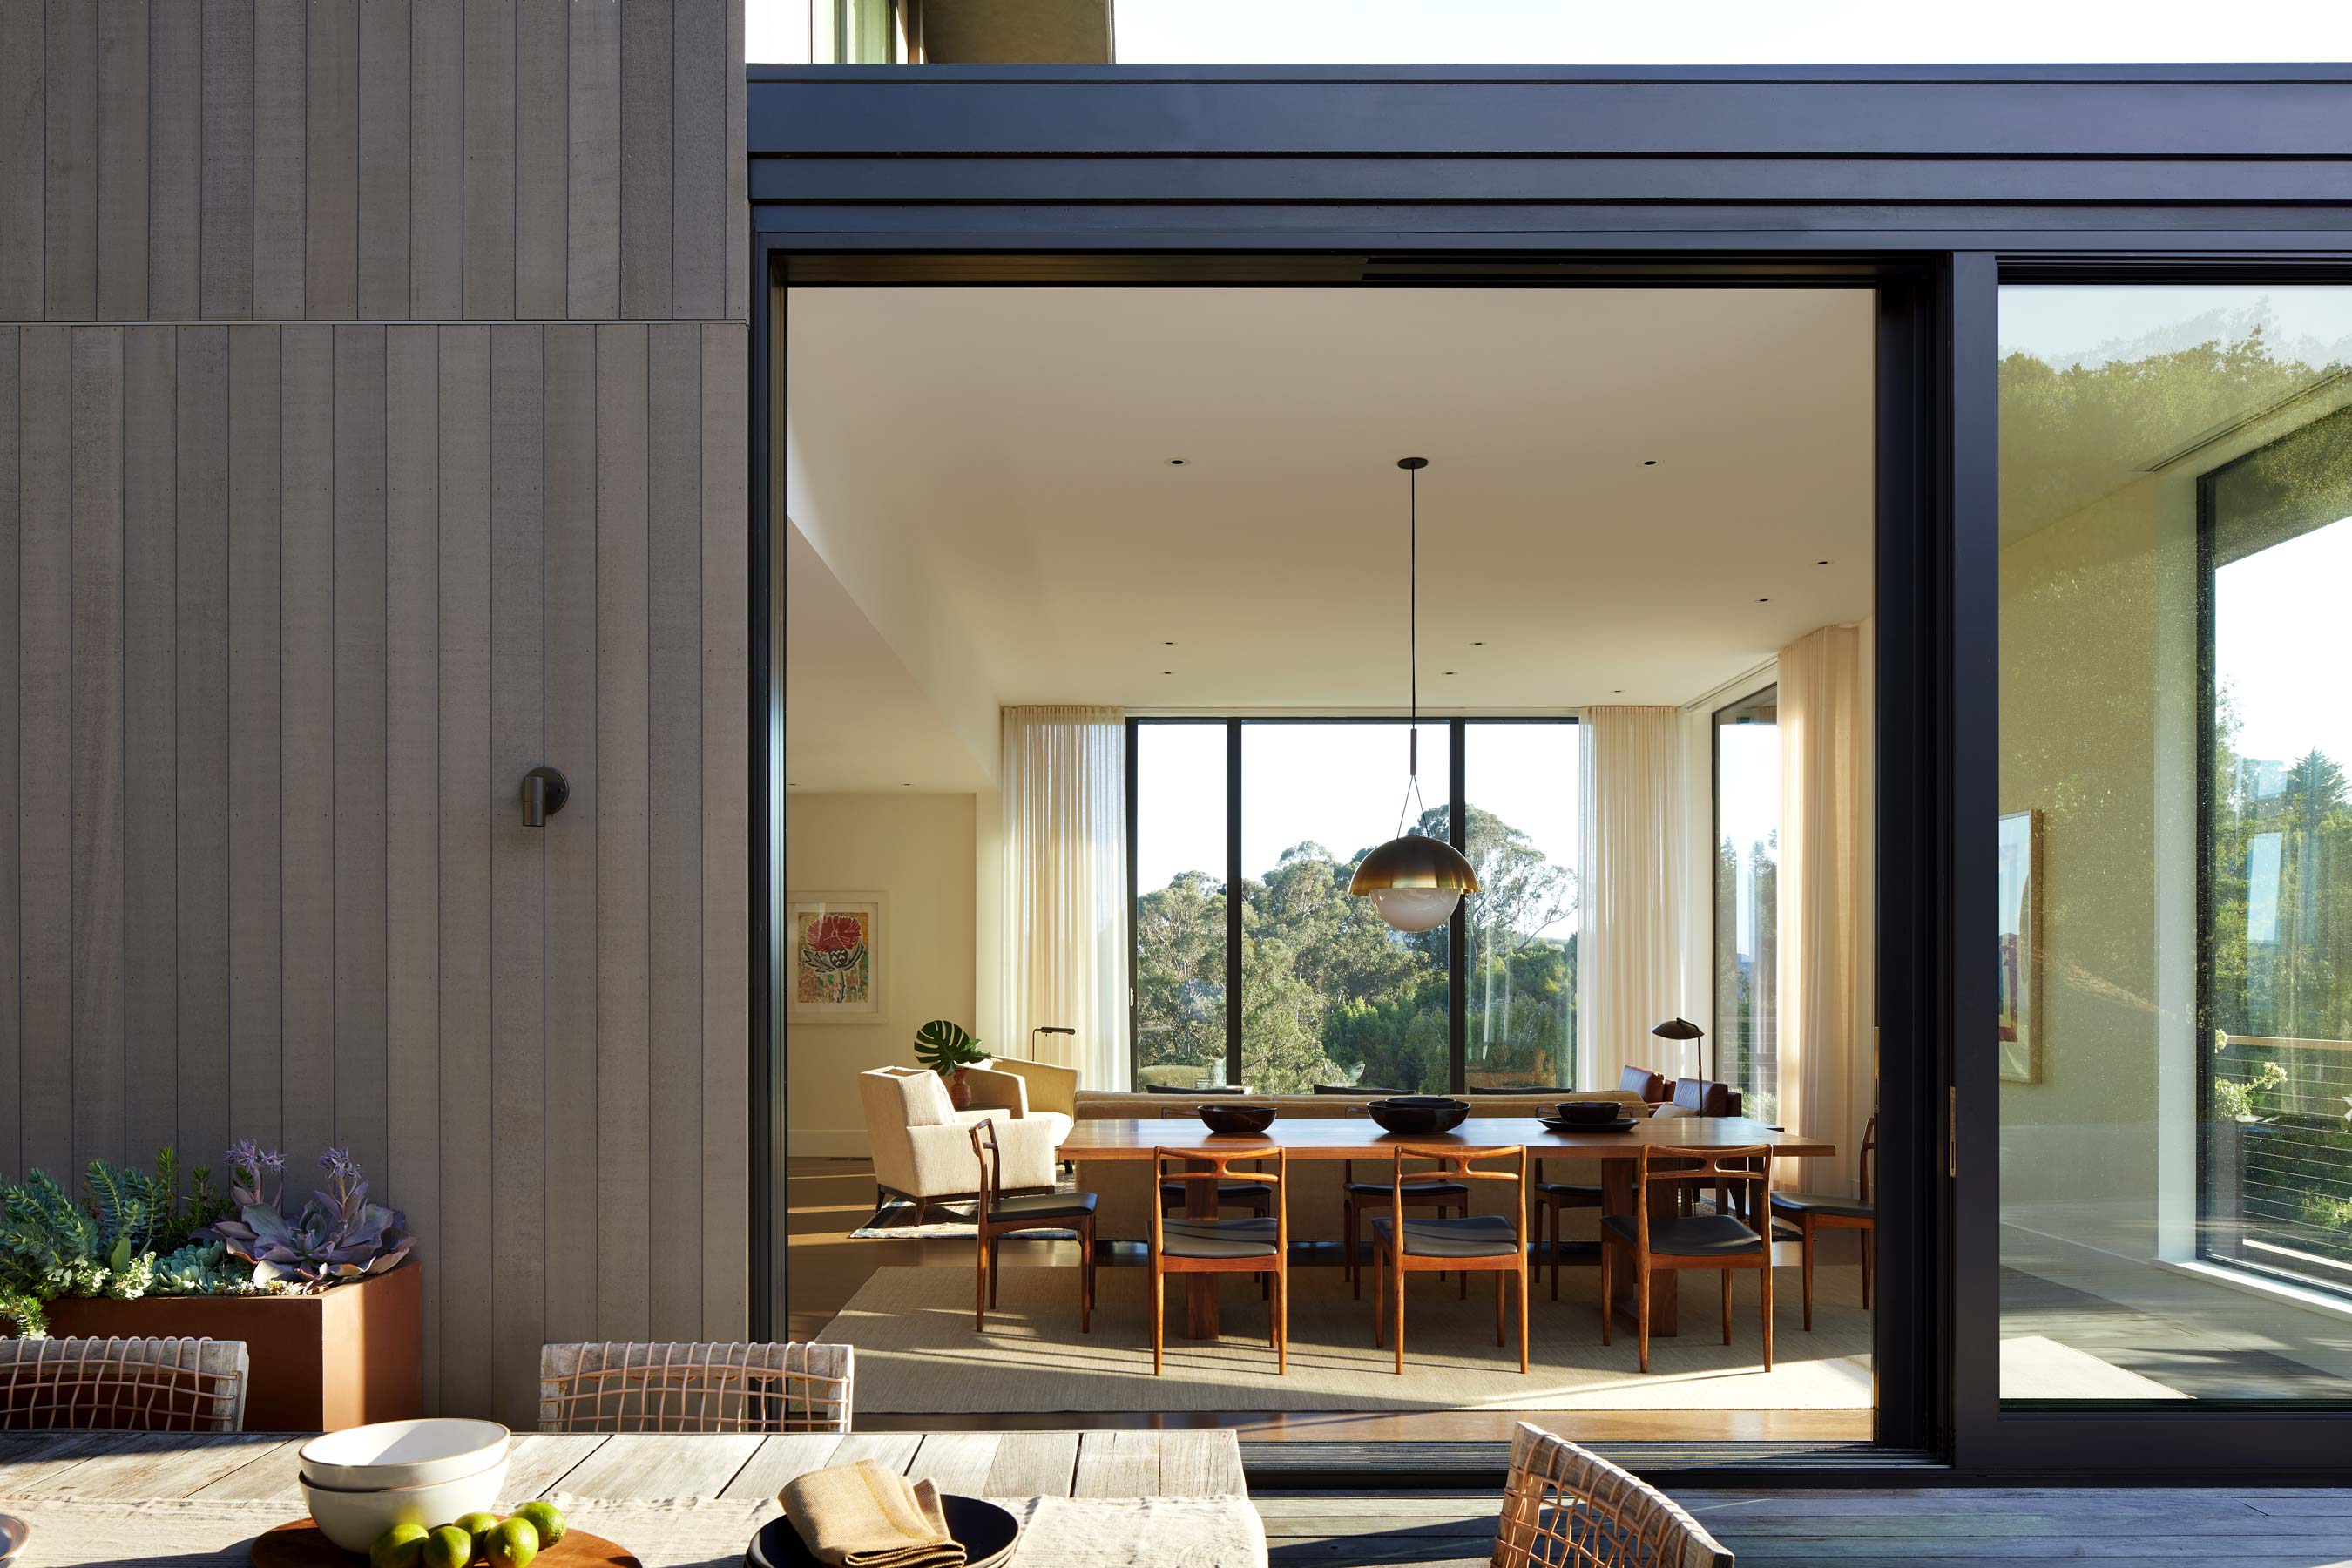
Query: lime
[
  {"x": 513, "y": 1544},
  {"x": 545, "y": 1517},
  {"x": 401, "y": 1546},
  {"x": 449, "y": 1547},
  {"x": 479, "y": 1525}
]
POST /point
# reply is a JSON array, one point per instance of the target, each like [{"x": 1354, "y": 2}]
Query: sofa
[{"x": 922, "y": 1144}]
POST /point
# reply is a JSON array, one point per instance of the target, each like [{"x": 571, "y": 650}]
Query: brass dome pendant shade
[{"x": 1416, "y": 882}]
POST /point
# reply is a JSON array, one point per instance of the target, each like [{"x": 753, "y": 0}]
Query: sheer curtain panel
[
  {"x": 1065, "y": 926},
  {"x": 1629, "y": 966},
  {"x": 1824, "y": 1076}
]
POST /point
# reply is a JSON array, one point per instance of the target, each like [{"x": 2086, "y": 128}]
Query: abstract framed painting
[
  {"x": 836, "y": 955},
  {"x": 2020, "y": 1016}
]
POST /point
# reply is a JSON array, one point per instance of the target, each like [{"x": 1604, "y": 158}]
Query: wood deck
[{"x": 1939, "y": 1527}]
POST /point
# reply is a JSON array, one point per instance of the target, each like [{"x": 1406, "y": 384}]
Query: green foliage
[
  {"x": 944, "y": 1046},
  {"x": 204, "y": 1268},
  {"x": 107, "y": 1245},
  {"x": 21, "y": 1315}
]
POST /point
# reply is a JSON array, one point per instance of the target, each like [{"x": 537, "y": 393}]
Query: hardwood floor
[
  {"x": 1915, "y": 1527},
  {"x": 830, "y": 1197}
]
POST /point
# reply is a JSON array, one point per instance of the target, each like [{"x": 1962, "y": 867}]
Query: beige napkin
[{"x": 864, "y": 1516}]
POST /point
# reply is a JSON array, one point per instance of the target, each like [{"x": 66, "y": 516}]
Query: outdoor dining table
[
  {"x": 1085, "y": 1500},
  {"x": 1360, "y": 1138}
]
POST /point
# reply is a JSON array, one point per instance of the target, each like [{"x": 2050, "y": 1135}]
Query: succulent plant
[{"x": 337, "y": 1235}]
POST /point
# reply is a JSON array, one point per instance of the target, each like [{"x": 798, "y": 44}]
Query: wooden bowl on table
[
  {"x": 1418, "y": 1115},
  {"x": 1237, "y": 1120},
  {"x": 302, "y": 1544}
]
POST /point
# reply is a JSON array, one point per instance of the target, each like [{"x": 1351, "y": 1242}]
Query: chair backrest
[
  {"x": 1869, "y": 1158},
  {"x": 1566, "y": 1506},
  {"x": 632, "y": 1387},
  {"x": 1455, "y": 1164},
  {"x": 1650, "y": 1085},
  {"x": 1219, "y": 1163},
  {"x": 1719, "y": 1167},
  {"x": 992, "y": 1163},
  {"x": 143, "y": 1385}
]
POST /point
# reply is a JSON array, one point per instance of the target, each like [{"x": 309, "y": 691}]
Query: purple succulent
[
  {"x": 339, "y": 1235},
  {"x": 250, "y": 1166}
]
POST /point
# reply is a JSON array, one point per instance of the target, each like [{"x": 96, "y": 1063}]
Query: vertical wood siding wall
[{"x": 288, "y": 610}]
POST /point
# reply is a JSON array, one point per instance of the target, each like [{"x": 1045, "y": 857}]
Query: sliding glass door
[{"x": 2174, "y": 1038}]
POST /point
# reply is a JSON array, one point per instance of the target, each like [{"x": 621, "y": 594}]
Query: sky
[
  {"x": 2278, "y": 645},
  {"x": 1694, "y": 32}
]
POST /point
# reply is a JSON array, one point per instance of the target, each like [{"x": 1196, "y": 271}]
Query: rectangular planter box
[{"x": 341, "y": 1358}]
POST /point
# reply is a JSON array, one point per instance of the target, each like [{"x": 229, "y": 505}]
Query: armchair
[
  {"x": 1050, "y": 1087},
  {"x": 922, "y": 1145}
]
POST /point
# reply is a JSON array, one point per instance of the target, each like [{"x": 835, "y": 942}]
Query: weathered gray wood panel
[
  {"x": 281, "y": 157},
  {"x": 645, "y": 163},
  {"x": 489, "y": 120},
  {"x": 70, "y": 223},
  {"x": 94, "y": 909},
  {"x": 24, "y": 162},
  {"x": 697, "y": 237},
  {"x": 306, "y": 739},
  {"x": 383, "y": 159},
  {"x": 11, "y": 642},
  {"x": 594, "y": 287},
  {"x": 360, "y": 763},
  {"x": 331, "y": 164},
  {"x": 150, "y": 790},
  {"x": 256, "y": 714},
  {"x": 123, "y": 157},
  {"x": 44, "y": 804},
  {"x": 543, "y": 231},
  {"x": 230, "y": 117},
  {"x": 197, "y": 623}
]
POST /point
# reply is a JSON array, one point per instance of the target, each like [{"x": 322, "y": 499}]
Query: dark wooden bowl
[
  {"x": 1418, "y": 1115},
  {"x": 1238, "y": 1120}
]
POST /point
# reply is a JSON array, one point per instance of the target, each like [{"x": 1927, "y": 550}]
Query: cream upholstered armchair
[
  {"x": 923, "y": 1148},
  {"x": 1050, "y": 1086}
]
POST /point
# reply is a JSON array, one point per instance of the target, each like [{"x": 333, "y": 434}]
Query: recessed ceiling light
[
  {"x": 1617, "y": 692},
  {"x": 1649, "y": 462},
  {"x": 1168, "y": 644},
  {"x": 1820, "y": 562},
  {"x": 906, "y": 787},
  {"x": 1167, "y": 672},
  {"x": 1449, "y": 672},
  {"x": 1175, "y": 462},
  {"x": 1763, "y": 601},
  {"x": 1477, "y": 645}
]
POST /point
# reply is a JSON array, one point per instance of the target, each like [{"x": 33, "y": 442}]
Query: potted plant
[
  {"x": 948, "y": 1049},
  {"x": 326, "y": 1298}
]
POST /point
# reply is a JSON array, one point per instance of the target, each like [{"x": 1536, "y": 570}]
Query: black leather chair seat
[
  {"x": 1043, "y": 1205},
  {"x": 1699, "y": 1235},
  {"x": 1414, "y": 1192},
  {"x": 1218, "y": 1239},
  {"x": 1571, "y": 1192},
  {"x": 1478, "y": 1236},
  {"x": 1230, "y": 1194},
  {"x": 1822, "y": 1203}
]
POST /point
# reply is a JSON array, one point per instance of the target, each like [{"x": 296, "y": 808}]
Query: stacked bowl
[{"x": 362, "y": 1481}]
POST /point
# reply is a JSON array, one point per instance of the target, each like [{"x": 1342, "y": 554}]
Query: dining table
[
  {"x": 1085, "y": 1500},
  {"x": 1360, "y": 1138}
]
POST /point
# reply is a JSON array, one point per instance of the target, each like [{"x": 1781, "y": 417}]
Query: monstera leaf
[{"x": 944, "y": 1047}]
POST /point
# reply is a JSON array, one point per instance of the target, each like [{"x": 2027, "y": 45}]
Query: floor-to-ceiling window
[
  {"x": 2174, "y": 1033},
  {"x": 1746, "y": 1046},
  {"x": 1330, "y": 995}
]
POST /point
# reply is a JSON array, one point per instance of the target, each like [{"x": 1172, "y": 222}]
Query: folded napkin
[{"x": 864, "y": 1516}]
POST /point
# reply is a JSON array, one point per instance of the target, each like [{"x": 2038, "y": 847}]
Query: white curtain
[
  {"x": 1825, "y": 1070},
  {"x": 1064, "y": 934},
  {"x": 1629, "y": 879}
]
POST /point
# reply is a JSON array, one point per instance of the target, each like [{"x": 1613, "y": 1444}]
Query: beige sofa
[
  {"x": 922, "y": 1144},
  {"x": 1125, "y": 1186}
]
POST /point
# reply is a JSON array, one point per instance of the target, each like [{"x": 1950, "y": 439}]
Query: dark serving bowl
[
  {"x": 1238, "y": 1120},
  {"x": 1418, "y": 1115},
  {"x": 1593, "y": 1112},
  {"x": 986, "y": 1532}
]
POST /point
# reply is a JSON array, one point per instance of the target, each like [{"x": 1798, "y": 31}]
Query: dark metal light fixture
[
  {"x": 1684, "y": 1029},
  {"x": 1416, "y": 882},
  {"x": 1046, "y": 1029},
  {"x": 545, "y": 792}
]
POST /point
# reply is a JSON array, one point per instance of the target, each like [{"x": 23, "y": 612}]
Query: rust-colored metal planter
[{"x": 341, "y": 1358}]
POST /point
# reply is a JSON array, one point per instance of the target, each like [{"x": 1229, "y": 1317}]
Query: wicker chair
[
  {"x": 1566, "y": 1508},
  {"x": 141, "y": 1385},
  {"x": 625, "y": 1387}
]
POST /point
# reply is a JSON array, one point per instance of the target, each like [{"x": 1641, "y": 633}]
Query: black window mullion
[
  {"x": 1232, "y": 901},
  {"x": 1134, "y": 926},
  {"x": 1457, "y": 946}
]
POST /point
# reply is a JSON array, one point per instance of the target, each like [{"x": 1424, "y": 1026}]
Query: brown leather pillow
[{"x": 1651, "y": 1086}]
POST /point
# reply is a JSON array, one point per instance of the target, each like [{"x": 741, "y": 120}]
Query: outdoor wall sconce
[{"x": 544, "y": 792}]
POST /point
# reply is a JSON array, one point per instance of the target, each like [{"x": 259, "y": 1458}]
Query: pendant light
[{"x": 1416, "y": 882}]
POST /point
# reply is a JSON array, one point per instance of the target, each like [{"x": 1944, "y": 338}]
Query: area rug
[{"x": 916, "y": 1351}]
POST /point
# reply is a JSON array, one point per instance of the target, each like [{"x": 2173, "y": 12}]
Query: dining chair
[
  {"x": 1720, "y": 1241},
  {"x": 632, "y": 1386},
  {"x": 996, "y": 1216},
  {"x": 1812, "y": 1212},
  {"x": 1359, "y": 1198},
  {"x": 1546, "y": 1202},
  {"x": 1469, "y": 1244},
  {"x": 1250, "y": 1197},
  {"x": 1259, "y": 1245},
  {"x": 1566, "y": 1507},
  {"x": 138, "y": 1384}
]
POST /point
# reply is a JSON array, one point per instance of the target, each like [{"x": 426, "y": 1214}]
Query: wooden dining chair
[
  {"x": 1359, "y": 1198},
  {"x": 1812, "y": 1212},
  {"x": 1547, "y": 1202},
  {"x": 1720, "y": 1241},
  {"x": 996, "y": 1216},
  {"x": 137, "y": 1384},
  {"x": 1469, "y": 1244},
  {"x": 1250, "y": 1197},
  {"x": 1566, "y": 1506},
  {"x": 1258, "y": 1245},
  {"x": 632, "y": 1386}
]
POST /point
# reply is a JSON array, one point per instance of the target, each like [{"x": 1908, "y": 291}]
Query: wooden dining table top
[{"x": 1360, "y": 1137}]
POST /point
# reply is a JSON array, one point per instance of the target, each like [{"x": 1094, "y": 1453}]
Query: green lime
[
  {"x": 479, "y": 1525},
  {"x": 545, "y": 1517},
  {"x": 513, "y": 1544},
  {"x": 401, "y": 1546},
  {"x": 449, "y": 1547}
]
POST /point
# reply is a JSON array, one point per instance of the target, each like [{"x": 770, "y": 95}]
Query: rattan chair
[
  {"x": 1194, "y": 1244},
  {"x": 141, "y": 1385},
  {"x": 628, "y": 1387},
  {"x": 1493, "y": 1243},
  {"x": 1567, "y": 1508}
]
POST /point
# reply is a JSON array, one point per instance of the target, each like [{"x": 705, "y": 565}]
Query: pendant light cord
[{"x": 1413, "y": 651}]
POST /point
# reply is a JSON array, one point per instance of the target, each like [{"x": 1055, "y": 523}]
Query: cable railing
[{"x": 2286, "y": 1167}]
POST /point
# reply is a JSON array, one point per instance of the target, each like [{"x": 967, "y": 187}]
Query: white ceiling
[{"x": 987, "y": 475}]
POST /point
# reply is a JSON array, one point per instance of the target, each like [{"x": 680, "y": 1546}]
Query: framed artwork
[
  {"x": 835, "y": 955},
  {"x": 2020, "y": 1031}
]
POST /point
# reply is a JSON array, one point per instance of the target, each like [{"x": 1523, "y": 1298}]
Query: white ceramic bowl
[
  {"x": 14, "y": 1533},
  {"x": 353, "y": 1520},
  {"x": 403, "y": 1453}
]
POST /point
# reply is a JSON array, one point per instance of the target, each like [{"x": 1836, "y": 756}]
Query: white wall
[{"x": 919, "y": 850}]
